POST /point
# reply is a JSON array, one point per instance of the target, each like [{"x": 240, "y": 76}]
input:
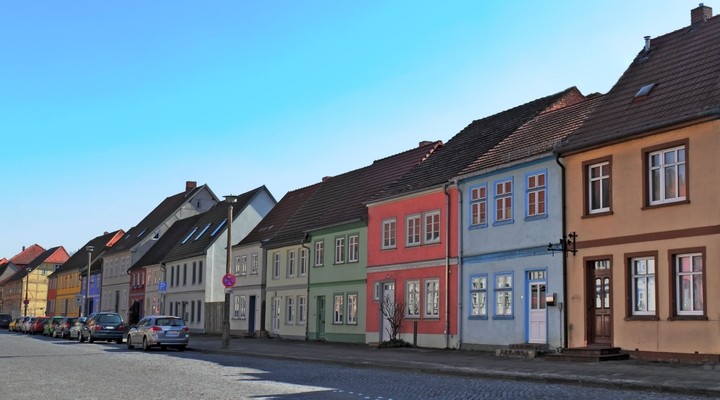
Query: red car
[{"x": 37, "y": 325}]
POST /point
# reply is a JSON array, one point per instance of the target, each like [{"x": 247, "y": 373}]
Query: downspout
[
  {"x": 461, "y": 312},
  {"x": 447, "y": 265},
  {"x": 563, "y": 309},
  {"x": 307, "y": 297}
]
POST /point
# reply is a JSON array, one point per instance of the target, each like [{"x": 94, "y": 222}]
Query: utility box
[{"x": 550, "y": 299}]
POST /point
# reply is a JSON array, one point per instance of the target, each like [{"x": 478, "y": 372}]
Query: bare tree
[{"x": 393, "y": 312}]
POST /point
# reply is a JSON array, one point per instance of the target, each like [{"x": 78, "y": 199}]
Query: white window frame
[
  {"x": 412, "y": 299},
  {"x": 478, "y": 296},
  {"x": 432, "y": 298},
  {"x": 536, "y": 194},
  {"x": 236, "y": 306},
  {"x": 352, "y": 309},
  {"x": 599, "y": 179},
  {"x": 504, "y": 288},
  {"x": 353, "y": 248},
  {"x": 431, "y": 225},
  {"x": 291, "y": 263},
  {"x": 661, "y": 169},
  {"x": 290, "y": 310},
  {"x": 243, "y": 265},
  {"x": 504, "y": 201},
  {"x": 319, "y": 253},
  {"x": 276, "y": 265},
  {"x": 413, "y": 230},
  {"x": 680, "y": 276},
  {"x": 243, "y": 307},
  {"x": 389, "y": 233},
  {"x": 340, "y": 250},
  {"x": 642, "y": 271},
  {"x": 478, "y": 205},
  {"x": 301, "y": 306},
  {"x": 303, "y": 262},
  {"x": 338, "y": 308},
  {"x": 254, "y": 263},
  {"x": 237, "y": 265}
]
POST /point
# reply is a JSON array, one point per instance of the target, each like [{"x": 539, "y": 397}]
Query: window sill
[
  {"x": 666, "y": 204},
  {"x": 477, "y": 226},
  {"x": 688, "y": 318},
  {"x": 504, "y": 222},
  {"x": 536, "y": 217},
  {"x": 478, "y": 318},
  {"x": 597, "y": 214},
  {"x": 503, "y": 317},
  {"x": 642, "y": 318}
]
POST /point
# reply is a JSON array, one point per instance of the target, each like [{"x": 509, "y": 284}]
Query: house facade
[
  {"x": 198, "y": 262},
  {"x": 26, "y": 291},
  {"x": 644, "y": 203},
  {"x": 138, "y": 240}
]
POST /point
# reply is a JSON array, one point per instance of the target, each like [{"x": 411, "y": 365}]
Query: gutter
[
  {"x": 447, "y": 265},
  {"x": 460, "y": 311},
  {"x": 307, "y": 297},
  {"x": 563, "y": 310}
]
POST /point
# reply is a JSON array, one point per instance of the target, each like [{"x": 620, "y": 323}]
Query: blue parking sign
[{"x": 162, "y": 286}]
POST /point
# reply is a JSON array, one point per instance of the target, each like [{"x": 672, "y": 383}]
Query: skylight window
[
  {"x": 219, "y": 227},
  {"x": 141, "y": 233},
  {"x": 189, "y": 234},
  {"x": 203, "y": 230},
  {"x": 645, "y": 90}
]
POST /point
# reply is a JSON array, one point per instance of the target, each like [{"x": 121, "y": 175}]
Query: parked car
[
  {"x": 5, "y": 320},
  {"x": 50, "y": 324},
  {"x": 37, "y": 325},
  {"x": 26, "y": 324},
  {"x": 62, "y": 329},
  {"x": 14, "y": 324},
  {"x": 106, "y": 326},
  {"x": 76, "y": 328},
  {"x": 159, "y": 330}
]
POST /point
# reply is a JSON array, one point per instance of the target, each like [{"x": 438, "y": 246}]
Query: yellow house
[
  {"x": 26, "y": 292},
  {"x": 642, "y": 197}
]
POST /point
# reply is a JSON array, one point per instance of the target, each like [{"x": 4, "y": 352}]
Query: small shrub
[{"x": 394, "y": 343}]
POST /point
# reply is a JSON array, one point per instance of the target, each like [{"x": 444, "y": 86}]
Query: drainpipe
[
  {"x": 564, "y": 339},
  {"x": 460, "y": 312},
  {"x": 307, "y": 297},
  {"x": 447, "y": 265}
]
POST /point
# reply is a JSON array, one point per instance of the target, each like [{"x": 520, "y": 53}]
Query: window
[
  {"x": 254, "y": 263},
  {"x": 689, "y": 285},
  {"x": 503, "y": 295},
  {"x": 200, "y": 273},
  {"x": 339, "y": 250},
  {"x": 303, "y": 261},
  {"x": 432, "y": 298},
  {"x": 291, "y": 263},
  {"x": 536, "y": 194},
  {"x": 432, "y": 227},
  {"x": 412, "y": 299},
  {"x": 353, "y": 248},
  {"x": 184, "y": 274},
  {"x": 194, "y": 275},
  {"x": 319, "y": 253},
  {"x": 276, "y": 266},
  {"x": 192, "y": 311},
  {"x": 243, "y": 265},
  {"x": 352, "y": 305},
  {"x": 243, "y": 307},
  {"x": 412, "y": 224},
  {"x": 598, "y": 180},
  {"x": 217, "y": 228},
  {"x": 666, "y": 175},
  {"x": 503, "y": 201},
  {"x": 188, "y": 235},
  {"x": 236, "y": 307},
  {"x": 199, "y": 312},
  {"x": 203, "y": 231},
  {"x": 478, "y": 296},
  {"x": 478, "y": 205},
  {"x": 338, "y": 309},
  {"x": 642, "y": 270},
  {"x": 290, "y": 310},
  {"x": 301, "y": 310},
  {"x": 388, "y": 234},
  {"x": 237, "y": 265}
]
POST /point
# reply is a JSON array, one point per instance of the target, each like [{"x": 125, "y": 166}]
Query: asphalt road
[{"x": 34, "y": 367}]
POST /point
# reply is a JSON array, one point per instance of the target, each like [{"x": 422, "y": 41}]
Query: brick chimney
[
  {"x": 190, "y": 185},
  {"x": 700, "y": 14}
]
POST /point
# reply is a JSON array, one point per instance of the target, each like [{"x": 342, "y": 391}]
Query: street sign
[
  {"x": 228, "y": 280},
  {"x": 162, "y": 286},
  {"x": 78, "y": 300},
  {"x": 26, "y": 301}
]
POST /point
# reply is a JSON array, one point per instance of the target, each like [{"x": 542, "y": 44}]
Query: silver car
[
  {"x": 159, "y": 331},
  {"x": 74, "y": 333}
]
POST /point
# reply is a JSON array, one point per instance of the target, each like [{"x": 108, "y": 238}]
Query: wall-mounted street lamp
[
  {"x": 27, "y": 289},
  {"x": 565, "y": 244},
  {"x": 225, "y": 340},
  {"x": 89, "y": 250}
]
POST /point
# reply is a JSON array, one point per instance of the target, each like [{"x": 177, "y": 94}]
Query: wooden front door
[
  {"x": 600, "y": 303},
  {"x": 320, "y": 317},
  {"x": 251, "y": 316}
]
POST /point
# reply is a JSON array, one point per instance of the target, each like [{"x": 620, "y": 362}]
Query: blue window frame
[
  {"x": 536, "y": 195},
  {"x": 503, "y": 201},
  {"x": 478, "y": 206},
  {"x": 478, "y": 296}
]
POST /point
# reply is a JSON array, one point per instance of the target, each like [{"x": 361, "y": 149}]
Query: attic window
[
  {"x": 141, "y": 233},
  {"x": 189, "y": 234},
  {"x": 157, "y": 235},
  {"x": 203, "y": 230},
  {"x": 644, "y": 91},
  {"x": 218, "y": 227}
]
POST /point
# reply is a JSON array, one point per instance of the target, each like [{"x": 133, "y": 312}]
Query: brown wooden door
[{"x": 600, "y": 307}]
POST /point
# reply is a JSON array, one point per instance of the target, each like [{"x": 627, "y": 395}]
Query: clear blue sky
[{"x": 108, "y": 107}]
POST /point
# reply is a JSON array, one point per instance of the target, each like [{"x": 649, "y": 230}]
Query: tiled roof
[
  {"x": 212, "y": 221},
  {"x": 43, "y": 257},
  {"x": 537, "y": 136},
  {"x": 173, "y": 236},
  {"x": 473, "y": 141},
  {"x": 342, "y": 198},
  {"x": 684, "y": 66},
  {"x": 79, "y": 260},
  {"x": 27, "y": 255},
  {"x": 280, "y": 214},
  {"x": 153, "y": 220}
]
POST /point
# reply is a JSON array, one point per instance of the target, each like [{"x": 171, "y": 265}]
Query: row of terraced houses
[{"x": 569, "y": 221}]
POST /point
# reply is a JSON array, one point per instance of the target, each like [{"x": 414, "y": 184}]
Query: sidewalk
[{"x": 690, "y": 379}]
